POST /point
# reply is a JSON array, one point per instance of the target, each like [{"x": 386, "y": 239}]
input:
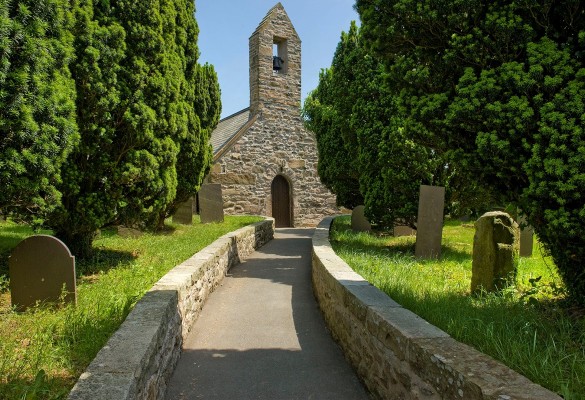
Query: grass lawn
[
  {"x": 43, "y": 351},
  {"x": 528, "y": 327}
]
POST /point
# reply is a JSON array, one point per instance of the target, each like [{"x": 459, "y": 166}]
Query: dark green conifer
[
  {"x": 499, "y": 86},
  {"x": 37, "y": 105}
]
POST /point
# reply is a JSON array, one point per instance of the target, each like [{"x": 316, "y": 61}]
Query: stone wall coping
[
  {"x": 396, "y": 353},
  {"x": 139, "y": 358}
]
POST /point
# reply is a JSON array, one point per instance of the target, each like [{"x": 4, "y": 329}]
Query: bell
[{"x": 277, "y": 63}]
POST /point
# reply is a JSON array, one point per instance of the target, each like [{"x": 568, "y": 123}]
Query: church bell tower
[{"x": 275, "y": 65}]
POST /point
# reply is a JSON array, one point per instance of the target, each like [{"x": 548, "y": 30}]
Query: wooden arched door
[{"x": 281, "y": 204}]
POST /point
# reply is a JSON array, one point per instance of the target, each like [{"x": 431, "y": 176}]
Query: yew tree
[
  {"x": 37, "y": 105},
  {"x": 364, "y": 155},
  {"x": 499, "y": 85},
  {"x": 196, "y": 155},
  {"x": 135, "y": 71},
  {"x": 327, "y": 112}
]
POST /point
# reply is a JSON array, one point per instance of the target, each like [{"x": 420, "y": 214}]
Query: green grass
[
  {"x": 528, "y": 327},
  {"x": 43, "y": 351}
]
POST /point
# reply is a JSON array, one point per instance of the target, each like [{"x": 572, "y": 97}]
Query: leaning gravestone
[
  {"x": 429, "y": 225},
  {"x": 495, "y": 246},
  {"x": 526, "y": 239},
  {"x": 359, "y": 222},
  {"x": 184, "y": 214},
  {"x": 40, "y": 268},
  {"x": 210, "y": 203}
]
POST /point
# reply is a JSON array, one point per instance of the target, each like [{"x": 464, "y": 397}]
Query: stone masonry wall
[
  {"x": 272, "y": 148},
  {"x": 277, "y": 143},
  {"x": 139, "y": 359},
  {"x": 397, "y": 354}
]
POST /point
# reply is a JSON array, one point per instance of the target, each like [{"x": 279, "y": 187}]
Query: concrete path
[{"x": 261, "y": 334}]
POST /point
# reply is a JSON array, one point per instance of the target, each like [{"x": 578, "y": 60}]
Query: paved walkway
[{"x": 261, "y": 334}]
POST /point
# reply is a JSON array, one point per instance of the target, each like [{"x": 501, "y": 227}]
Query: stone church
[{"x": 264, "y": 158}]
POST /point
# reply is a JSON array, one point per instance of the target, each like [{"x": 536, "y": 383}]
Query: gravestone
[
  {"x": 403, "y": 230},
  {"x": 495, "y": 247},
  {"x": 40, "y": 268},
  {"x": 526, "y": 238},
  {"x": 210, "y": 203},
  {"x": 127, "y": 232},
  {"x": 429, "y": 226},
  {"x": 184, "y": 214},
  {"x": 359, "y": 222}
]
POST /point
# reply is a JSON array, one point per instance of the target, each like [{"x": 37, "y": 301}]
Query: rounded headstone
[{"x": 40, "y": 268}]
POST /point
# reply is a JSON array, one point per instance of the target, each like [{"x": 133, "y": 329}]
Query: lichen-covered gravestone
[
  {"x": 41, "y": 269},
  {"x": 184, "y": 213},
  {"x": 495, "y": 250},
  {"x": 429, "y": 225},
  {"x": 359, "y": 222},
  {"x": 210, "y": 203}
]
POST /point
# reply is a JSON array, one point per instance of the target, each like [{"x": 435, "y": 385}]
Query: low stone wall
[
  {"x": 139, "y": 359},
  {"x": 397, "y": 354}
]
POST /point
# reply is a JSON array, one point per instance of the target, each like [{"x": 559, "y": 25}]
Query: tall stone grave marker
[
  {"x": 210, "y": 203},
  {"x": 40, "y": 267},
  {"x": 429, "y": 226},
  {"x": 526, "y": 239},
  {"x": 184, "y": 214},
  {"x": 359, "y": 222},
  {"x": 495, "y": 246}
]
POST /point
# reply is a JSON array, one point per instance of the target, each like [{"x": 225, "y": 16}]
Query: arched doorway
[{"x": 281, "y": 204}]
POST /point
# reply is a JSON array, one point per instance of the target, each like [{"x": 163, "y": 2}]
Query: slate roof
[{"x": 227, "y": 128}]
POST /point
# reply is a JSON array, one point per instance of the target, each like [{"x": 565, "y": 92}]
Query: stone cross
[
  {"x": 184, "y": 213},
  {"x": 210, "y": 203},
  {"x": 41, "y": 269},
  {"x": 495, "y": 249},
  {"x": 429, "y": 225},
  {"x": 359, "y": 222}
]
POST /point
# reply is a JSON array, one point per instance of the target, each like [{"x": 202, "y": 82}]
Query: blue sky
[{"x": 226, "y": 25}]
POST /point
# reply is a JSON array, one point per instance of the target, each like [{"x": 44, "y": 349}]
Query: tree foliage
[
  {"x": 327, "y": 112},
  {"x": 499, "y": 86},
  {"x": 105, "y": 113},
  {"x": 196, "y": 155},
  {"x": 37, "y": 109},
  {"x": 364, "y": 155},
  {"x": 135, "y": 73}
]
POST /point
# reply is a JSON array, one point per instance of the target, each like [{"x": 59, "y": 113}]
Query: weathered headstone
[
  {"x": 359, "y": 222},
  {"x": 495, "y": 247},
  {"x": 40, "y": 268},
  {"x": 210, "y": 203},
  {"x": 184, "y": 214},
  {"x": 127, "y": 232},
  {"x": 526, "y": 238},
  {"x": 403, "y": 230},
  {"x": 429, "y": 226}
]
